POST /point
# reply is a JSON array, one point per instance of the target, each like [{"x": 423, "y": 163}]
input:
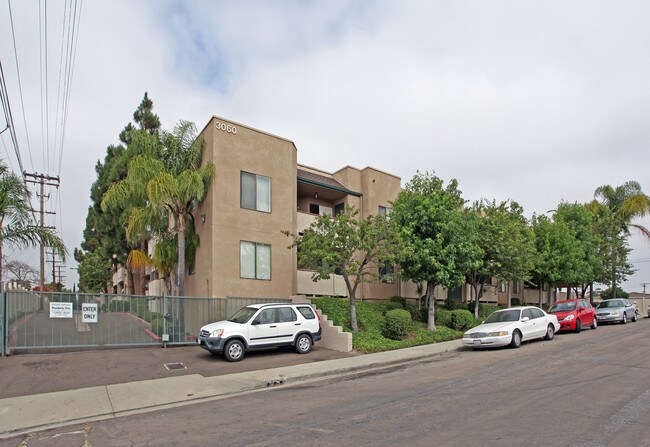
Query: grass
[{"x": 370, "y": 317}]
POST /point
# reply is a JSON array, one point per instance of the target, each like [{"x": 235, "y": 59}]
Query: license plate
[
  {"x": 477, "y": 342},
  {"x": 198, "y": 341}
]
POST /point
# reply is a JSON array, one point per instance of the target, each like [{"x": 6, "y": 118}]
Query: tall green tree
[
  {"x": 437, "y": 243},
  {"x": 506, "y": 245},
  {"x": 559, "y": 253},
  {"x": 582, "y": 222},
  {"x": 626, "y": 202},
  {"x": 347, "y": 246},
  {"x": 175, "y": 186},
  {"x": 17, "y": 227},
  {"x": 104, "y": 231}
]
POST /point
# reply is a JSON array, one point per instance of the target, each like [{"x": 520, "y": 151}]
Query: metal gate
[
  {"x": 2, "y": 324},
  {"x": 72, "y": 321}
]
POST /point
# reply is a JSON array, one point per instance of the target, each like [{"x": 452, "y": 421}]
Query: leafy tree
[
  {"x": 559, "y": 253},
  {"x": 16, "y": 226},
  {"x": 506, "y": 245},
  {"x": 626, "y": 203},
  {"x": 347, "y": 246},
  {"x": 437, "y": 242},
  {"x": 589, "y": 268},
  {"x": 620, "y": 293},
  {"x": 94, "y": 272}
]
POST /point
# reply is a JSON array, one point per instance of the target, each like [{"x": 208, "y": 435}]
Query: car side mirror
[
  {"x": 525, "y": 319},
  {"x": 255, "y": 322}
]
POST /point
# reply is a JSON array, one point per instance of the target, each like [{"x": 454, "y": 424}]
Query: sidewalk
[{"x": 21, "y": 414}]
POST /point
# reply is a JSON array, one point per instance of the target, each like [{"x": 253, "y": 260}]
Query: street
[{"x": 588, "y": 389}]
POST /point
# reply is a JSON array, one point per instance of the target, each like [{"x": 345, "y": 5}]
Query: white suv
[{"x": 262, "y": 326}]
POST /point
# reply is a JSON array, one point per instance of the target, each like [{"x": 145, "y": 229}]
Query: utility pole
[
  {"x": 42, "y": 180},
  {"x": 644, "y": 284}
]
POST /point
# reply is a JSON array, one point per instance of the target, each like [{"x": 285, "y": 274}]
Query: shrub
[
  {"x": 157, "y": 326},
  {"x": 118, "y": 306},
  {"x": 443, "y": 317},
  {"x": 398, "y": 299},
  {"x": 472, "y": 304},
  {"x": 515, "y": 301},
  {"x": 397, "y": 324},
  {"x": 452, "y": 304},
  {"x": 461, "y": 319},
  {"x": 391, "y": 306}
]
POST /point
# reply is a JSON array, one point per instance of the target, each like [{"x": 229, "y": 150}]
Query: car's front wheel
[
  {"x": 550, "y": 332},
  {"x": 578, "y": 326},
  {"x": 594, "y": 324},
  {"x": 234, "y": 351},
  {"x": 303, "y": 344},
  {"x": 624, "y": 321},
  {"x": 516, "y": 339},
  {"x": 634, "y": 317}
]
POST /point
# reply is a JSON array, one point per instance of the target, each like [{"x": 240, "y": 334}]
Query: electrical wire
[{"x": 20, "y": 86}]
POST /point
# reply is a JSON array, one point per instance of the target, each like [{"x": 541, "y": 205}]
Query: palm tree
[
  {"x": 175, "y": 186},
  {"x": 625, "y": 203},
  {"x": 16, "y": 225}
]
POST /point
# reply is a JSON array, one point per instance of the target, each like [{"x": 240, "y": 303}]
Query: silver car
[{"x": 615, "y": 309}]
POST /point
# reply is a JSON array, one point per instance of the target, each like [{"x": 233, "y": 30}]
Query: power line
[
  {"x": 4, "y": 98},
  {"x": 20, "y": 85}
]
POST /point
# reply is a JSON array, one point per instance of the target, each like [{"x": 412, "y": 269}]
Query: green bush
[
  {"x": 515, "y": 302},
  {"x": 398, "y": 299},
  {"x": 472, "y": 304},
  {"x": 391, "y": 306},
  {"x": 157, "y": 326},
  {"x": 139, "y": 306},
  {"x": 118, "y": 306},
  {"x": 397, "y": 324},
  {"x": 452, "y": 304},
  {"x": 443, "y": 317},
  {"x": 461, "y": 319},
  {"x": 418, "y": 314}
]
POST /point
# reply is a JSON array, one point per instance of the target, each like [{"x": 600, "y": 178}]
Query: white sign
[
  {"x": 89, "y": 313},
  {"x": 60, "y": 310}
]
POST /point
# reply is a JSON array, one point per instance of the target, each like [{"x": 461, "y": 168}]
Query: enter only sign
[{"x": 89, "y": 312}]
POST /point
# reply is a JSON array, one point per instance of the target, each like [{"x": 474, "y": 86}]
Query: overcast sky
[{"x": 533, "y": 101}]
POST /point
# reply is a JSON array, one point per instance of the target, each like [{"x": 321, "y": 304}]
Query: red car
[{"x": 573, "y": 315}]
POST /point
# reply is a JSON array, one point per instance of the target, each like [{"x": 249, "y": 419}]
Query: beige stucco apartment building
[{"x": 260, "y": 191}]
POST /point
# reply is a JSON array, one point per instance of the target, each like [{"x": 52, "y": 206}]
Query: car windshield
[
  {"x": 610, "y": 303},
  {"x": 503, "y": 316},
  {"x": 563, "y": 307},
  {"x": 243, "y": 315}
]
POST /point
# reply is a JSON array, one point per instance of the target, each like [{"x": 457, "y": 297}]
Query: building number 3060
[{"x": 226, "y": 128}]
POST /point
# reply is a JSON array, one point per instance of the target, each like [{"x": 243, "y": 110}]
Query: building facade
[{"x": 260, "y": 191}]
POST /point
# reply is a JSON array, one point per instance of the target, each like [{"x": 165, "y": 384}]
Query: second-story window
[
  {"x": 384, "y": 211},
  {"x": 255, "y": 192}
]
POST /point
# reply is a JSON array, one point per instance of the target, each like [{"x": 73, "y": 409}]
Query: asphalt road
[{"x": 588, "y": 389}]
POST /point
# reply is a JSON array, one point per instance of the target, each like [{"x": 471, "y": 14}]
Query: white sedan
[{"x": 512, "y": 326}]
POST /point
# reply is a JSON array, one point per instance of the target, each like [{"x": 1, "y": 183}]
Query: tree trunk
[
  {"x": 591, "y": 293},
  {"x": 568, "y": 291},
  {"x": 541, "y": 294},
  {"x": 509, "y": 295},
  {"x": 353, "y": 303},
  {"x": 431, "y": 320},
  {"x": 180, "y": 278},
  {"x": 613, "y": 275}
]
